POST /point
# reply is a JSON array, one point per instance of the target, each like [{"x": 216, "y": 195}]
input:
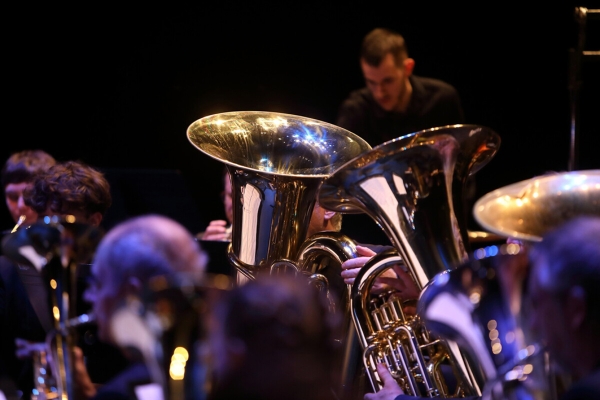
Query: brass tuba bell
[{"x": 277, "y": 163}]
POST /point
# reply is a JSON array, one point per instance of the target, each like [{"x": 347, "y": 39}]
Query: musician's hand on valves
[
  {"x": 390, "y": 389},
  {"x": 402, "y": 282},
  {"x": 217, "y": 230},
  {"x": 394, "y": 277}
]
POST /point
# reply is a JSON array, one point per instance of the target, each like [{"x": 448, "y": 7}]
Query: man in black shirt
[{"x": 395, "y": 102}]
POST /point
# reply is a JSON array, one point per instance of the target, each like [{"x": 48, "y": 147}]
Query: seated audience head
[
  {"x": 273, "y": 338},
  {"x": 565, "y": 297},
  {"x": 17, "y": 174},
  {"x": 131, "y": 254},
  {"x": 73, "y": 188},
  {"x": 386, "y": 68}
]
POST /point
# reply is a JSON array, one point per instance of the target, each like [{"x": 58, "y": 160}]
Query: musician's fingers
[
  {"x": 355, "y": 263},
  {"x": 384, "y": 374},
  {"x": 365, "y": 251}
]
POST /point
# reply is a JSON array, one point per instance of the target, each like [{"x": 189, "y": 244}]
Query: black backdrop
[{"x": 117, "y": 86}]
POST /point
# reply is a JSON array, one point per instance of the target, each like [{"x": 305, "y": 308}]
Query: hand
[
  {"x": 351, "y": 267},
  {"x": 217, "y": 230},
  {"x": 394, "y": 277},
  {"x": 26, "y": 349},
  {"x": 390, "y": 389},
  {"x": 402, "y": 283},
  {"x": 83, "y": 384}
]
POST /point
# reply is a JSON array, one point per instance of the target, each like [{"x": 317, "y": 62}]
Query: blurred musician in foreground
[
  {"x": 395, "y": 102},
  {"x": 66, "y": 188},
  {"x": 564, "y": 295},
  {"x": 128, "y": 257},
  {"x": 273, "y": 338},
  {"x": 17, "y": 174},
  {"x": 564, "y": 290}
]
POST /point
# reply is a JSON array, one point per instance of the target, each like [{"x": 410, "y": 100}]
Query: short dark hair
[
  {"x": 24, "y": 165},
  {"x": 379, "y": 42},
  {"x": 69, "y": 186},
  {"x": 571, "y": 256}
]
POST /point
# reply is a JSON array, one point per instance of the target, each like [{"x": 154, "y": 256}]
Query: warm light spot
[
  {"x": 510, "y": 337},
  {"x": 56, "y": 313},
  {"x": 70, "y": 218},
  {"x": 513, "y": 248},
  {"x": 496, "y": 348},
  {"x": 475, "y": 297},
  {"x": 53, "y": 284},
  {"x": 182, "y": 352},
  {"x": 493, "y": 334},
  {"x": 527, "y": 369},
  {"x": 221, "y": 281},
  {"x": 178, "y": 360},
  {"x": 492, "y": 324}
]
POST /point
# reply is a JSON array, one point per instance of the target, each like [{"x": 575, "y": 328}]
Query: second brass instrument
[{"x": 412, "y": 187}]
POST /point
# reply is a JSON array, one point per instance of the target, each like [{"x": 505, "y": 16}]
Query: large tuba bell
[
  {"x": 412, "y": 187},
  {"x": 277, "y": 163}
]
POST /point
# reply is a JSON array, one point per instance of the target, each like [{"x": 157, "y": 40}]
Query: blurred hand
[
  {"x": 83, "y": 384},
  {"x": 26, "y": 349},
  {"x": 390, "y": 389},
  {"x": 217, "y": 230}
]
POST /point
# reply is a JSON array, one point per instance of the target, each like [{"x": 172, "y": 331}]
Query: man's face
[
  {"x": 103, "y": 296},
  {"x": 13, "y": 193},
  {"x": 387, "y": 82}
]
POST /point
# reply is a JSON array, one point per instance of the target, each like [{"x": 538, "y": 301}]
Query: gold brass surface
[
  {"x": 526, "y": 210},
  {"x": 277, "y": 163}
]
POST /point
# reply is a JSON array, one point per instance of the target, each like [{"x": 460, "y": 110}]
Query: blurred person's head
[
  {"x": 564, "y": 293},
  {"x": 131, "y": 254},
  {"x": 18, "y": 173},
  {"x": 70, "y": 188},
  {"x": 274, "y": 338}
]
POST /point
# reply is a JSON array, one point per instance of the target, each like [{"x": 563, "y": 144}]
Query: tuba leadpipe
[{"x": 412, "y": 187}]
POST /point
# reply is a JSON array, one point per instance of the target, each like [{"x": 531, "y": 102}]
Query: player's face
[{"x": 387, "y": 82}]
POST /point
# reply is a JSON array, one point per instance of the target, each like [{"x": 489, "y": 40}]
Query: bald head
[{"x": 133, "y": 253}]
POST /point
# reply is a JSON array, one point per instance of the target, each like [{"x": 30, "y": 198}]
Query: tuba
[
  {"x": 277, "y": 164},
  {"x": 481, "y": 303},
  {"x": 412, "y": 187}
]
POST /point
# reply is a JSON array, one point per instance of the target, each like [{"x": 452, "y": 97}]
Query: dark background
[{"x": 117, "y": 87}]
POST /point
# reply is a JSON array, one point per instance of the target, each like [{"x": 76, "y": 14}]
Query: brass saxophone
[{"x": 412, "y": 187}]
